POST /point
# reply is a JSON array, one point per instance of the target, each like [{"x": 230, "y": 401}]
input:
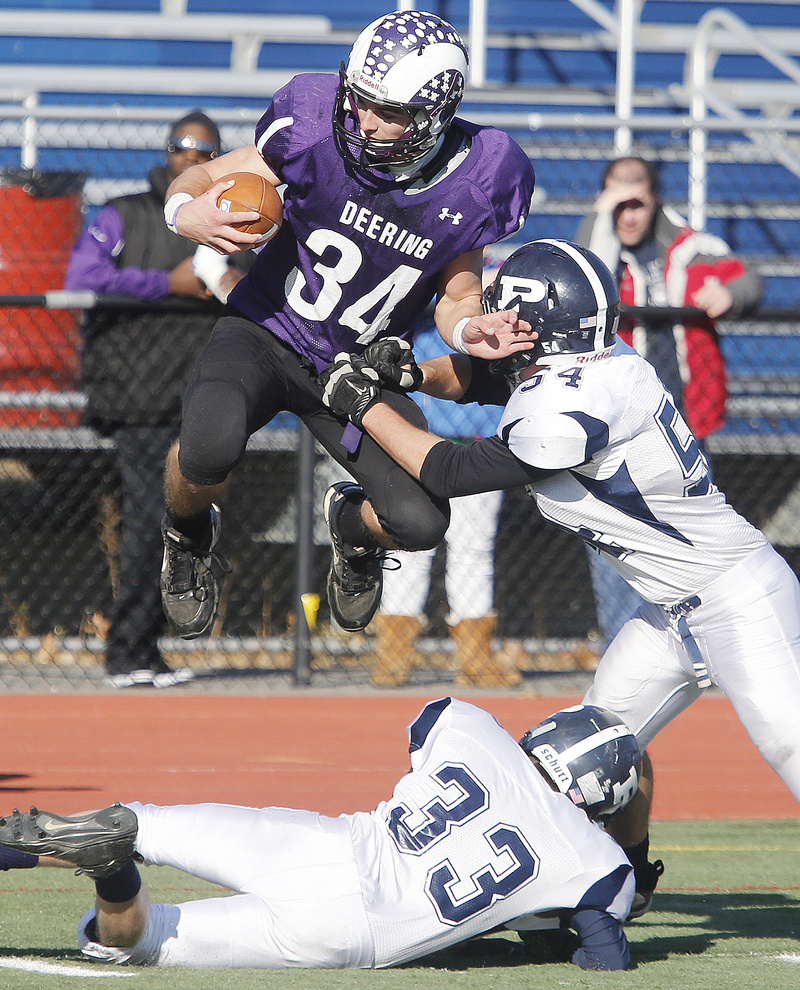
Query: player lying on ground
[
  {"x": 480, "y": 832},
  {"x": 596, "y": 437}
]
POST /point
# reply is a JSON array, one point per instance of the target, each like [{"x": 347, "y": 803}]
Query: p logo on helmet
[{"x": 516, "y": 289}]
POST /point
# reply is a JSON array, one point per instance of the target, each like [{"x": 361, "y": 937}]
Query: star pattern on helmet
[
  {"x": 440, "y": 85},
  {"x": 405, "y": 31}
]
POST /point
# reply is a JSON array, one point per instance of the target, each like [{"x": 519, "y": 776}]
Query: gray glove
[{"x": 349, "y": 387}]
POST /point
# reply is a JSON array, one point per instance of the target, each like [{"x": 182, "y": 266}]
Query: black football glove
[
  {"x": 388, "y": 356},
  {"x": 349, "y": 387}
]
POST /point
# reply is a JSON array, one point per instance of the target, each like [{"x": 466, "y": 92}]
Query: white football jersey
[
  {"x": 473, "y": 837},
  {"x": 632, "y": 480}
]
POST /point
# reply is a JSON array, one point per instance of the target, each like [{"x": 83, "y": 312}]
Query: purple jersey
[
  {"x": 356, "y": 260},
  {"x": 92, "y": 265}
]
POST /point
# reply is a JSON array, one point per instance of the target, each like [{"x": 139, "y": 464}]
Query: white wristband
[
  {"x": 210, "y": 266},
  {"x": 458, "y": 336},
  {"x": 171, "y": 207}
]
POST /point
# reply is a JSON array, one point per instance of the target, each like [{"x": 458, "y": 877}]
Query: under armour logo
[{"x": 455, "y": 218}]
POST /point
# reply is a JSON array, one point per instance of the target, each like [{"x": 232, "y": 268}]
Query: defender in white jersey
[
  {"x": 482, "y": 832},
  {"x": 597, "y": 439}
]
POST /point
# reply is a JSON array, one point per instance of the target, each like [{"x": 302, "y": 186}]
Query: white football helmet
[{"x": 428, "y": 86}]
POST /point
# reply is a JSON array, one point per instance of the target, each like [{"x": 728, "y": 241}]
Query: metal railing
[{"x": 705, "y": 51}]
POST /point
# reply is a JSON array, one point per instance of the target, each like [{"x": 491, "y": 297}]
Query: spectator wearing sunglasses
[
  {"x": 135, "y": 365},
  {"x": 189, "y": 144}
]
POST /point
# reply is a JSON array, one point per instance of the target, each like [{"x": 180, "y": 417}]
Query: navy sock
[
  {"x": 121, "y": 886},
  {"x": 13, "y": 859}
]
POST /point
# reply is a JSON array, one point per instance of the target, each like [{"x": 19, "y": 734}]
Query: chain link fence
[{"x": 59, "y": 556}]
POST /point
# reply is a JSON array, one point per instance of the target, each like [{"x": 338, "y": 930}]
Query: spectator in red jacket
[{"x": 660, "y": 261}]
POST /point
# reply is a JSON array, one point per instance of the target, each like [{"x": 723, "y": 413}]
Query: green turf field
[{"x": 727, "y": 916}]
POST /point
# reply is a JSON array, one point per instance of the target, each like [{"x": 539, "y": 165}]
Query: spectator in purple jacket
[{"x": 135, "y": 365}]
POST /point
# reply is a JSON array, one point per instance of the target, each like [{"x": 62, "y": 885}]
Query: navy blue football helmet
[
  {"x": 590, "y": 755},
  {"x": 408, "y": 61},
  {"x": 566, "y": 293}
]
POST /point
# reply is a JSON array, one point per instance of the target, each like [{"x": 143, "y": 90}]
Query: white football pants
[
  {"x": 747, "y": 629},
  {"x": 469, "y": 564},
  {"x": 298, "y": 900}
]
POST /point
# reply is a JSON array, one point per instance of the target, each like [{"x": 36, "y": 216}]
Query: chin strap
[{"x": 433, "y": 161}]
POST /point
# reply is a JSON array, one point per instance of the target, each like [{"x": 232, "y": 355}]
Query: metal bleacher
[{"x": 91, "y": 90}]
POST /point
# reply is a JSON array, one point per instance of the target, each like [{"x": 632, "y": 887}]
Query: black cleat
[
  {"x": 550, "y": 945},
  {"x": 99, "y": 843},
  {"x": 645, "y": 887},
  {"x": 189, "y": 587},
  {"x": 355, "y": 578}
]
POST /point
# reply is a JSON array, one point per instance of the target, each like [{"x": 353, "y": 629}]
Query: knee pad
[
  {"x": 419, "y": 524},
  {"x": 214, "y": 432}
]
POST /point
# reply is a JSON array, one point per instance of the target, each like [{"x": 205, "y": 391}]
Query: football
[{"x": 251, "y": 191}]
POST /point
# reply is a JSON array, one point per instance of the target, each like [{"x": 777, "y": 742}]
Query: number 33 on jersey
[{"x": 473, "y": 837}]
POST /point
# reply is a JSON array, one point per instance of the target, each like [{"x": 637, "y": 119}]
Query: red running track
[{"x": 329, "y": 753}]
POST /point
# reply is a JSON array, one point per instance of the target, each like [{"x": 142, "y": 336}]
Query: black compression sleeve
[
  {"x": 484, "y": 387},
  {"x": 452, "y": 469}
]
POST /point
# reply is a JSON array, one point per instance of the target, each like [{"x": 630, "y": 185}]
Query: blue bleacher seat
[
  {"x": 567, "y": 180},
  {"x": 129, "y": 6},
  {"x": 690, "y": 12}
]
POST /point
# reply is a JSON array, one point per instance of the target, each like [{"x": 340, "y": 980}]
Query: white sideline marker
[
  {"x": 56, "y": 969},
  {"x": 791, "y": 957}
]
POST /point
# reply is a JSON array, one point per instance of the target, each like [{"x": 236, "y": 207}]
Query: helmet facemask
[
  {"x": 371, "y": 152},
  {"x": 510, "y": 367}
]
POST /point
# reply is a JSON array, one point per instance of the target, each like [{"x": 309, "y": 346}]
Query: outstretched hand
[
  {"x": 349, "y": 387},
  {"x": 496, "y": 335},
  {"x": 393, "y": 359}
]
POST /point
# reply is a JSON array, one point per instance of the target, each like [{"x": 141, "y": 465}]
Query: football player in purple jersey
[{"x": 389, "y": 200}]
